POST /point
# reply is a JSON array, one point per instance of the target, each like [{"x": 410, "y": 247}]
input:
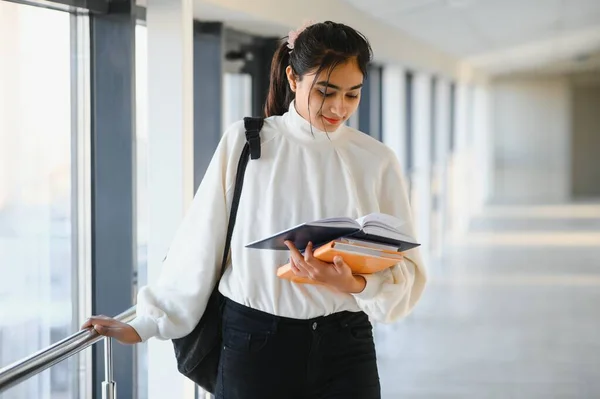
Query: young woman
[{"x": 281, "y": 339}]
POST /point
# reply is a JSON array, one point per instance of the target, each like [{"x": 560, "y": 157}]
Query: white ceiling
[
  {"x": 498, "y": 35},
  {"x": 204, "y": 10},
  {"x": 275, "y": 18}
]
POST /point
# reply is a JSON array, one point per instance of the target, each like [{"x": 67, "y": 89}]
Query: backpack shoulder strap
[
  {"x": 253, "y": 127},
  {"x": 251, "y": 150}
]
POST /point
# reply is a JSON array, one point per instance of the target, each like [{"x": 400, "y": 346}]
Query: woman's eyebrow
[{"x": 326, "y": 84}]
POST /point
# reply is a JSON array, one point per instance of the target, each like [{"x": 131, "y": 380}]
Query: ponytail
[{"x": 280, "y": 95}]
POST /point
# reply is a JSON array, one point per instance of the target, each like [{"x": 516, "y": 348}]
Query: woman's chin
[{"x": 328, "y": 127}]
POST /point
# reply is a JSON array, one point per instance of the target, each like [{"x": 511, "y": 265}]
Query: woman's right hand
[{"x": 108, "y": 327}]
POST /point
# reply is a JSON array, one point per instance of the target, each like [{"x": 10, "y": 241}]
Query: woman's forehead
[{"x": 344, "y": 76}]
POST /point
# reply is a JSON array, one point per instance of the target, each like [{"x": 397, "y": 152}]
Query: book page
[
  {"x": 384, "y": 225},
  {"x": 335, "y": 222},
  {"x": 380, "y": 219}
]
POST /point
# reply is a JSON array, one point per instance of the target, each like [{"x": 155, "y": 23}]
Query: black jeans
[{"x": 269, "y": 357}]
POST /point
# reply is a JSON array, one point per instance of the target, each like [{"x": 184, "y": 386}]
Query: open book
[{"x": 375, "y": 227}]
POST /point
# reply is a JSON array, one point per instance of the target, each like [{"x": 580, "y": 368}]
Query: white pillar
[
  {"x": 170, "y": 167},
  {"x": 458, "y": 197},
  {"x": 421, "y": 192},
  {"x": 483, "y": 159},
  {"x": 442, "y": 145},
  {"x": 394, "y": 108}
]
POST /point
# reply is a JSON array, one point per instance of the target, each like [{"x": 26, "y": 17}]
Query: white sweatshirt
[{"x": 298, "y": 178}]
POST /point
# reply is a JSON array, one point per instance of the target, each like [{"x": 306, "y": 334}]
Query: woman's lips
[{"x": 332, "y": 121}]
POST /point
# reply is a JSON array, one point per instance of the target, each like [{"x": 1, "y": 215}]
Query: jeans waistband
[{"x": 342, "y": 318}]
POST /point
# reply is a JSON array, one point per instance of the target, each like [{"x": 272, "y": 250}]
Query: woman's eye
[{"x": 332, "y": 93}]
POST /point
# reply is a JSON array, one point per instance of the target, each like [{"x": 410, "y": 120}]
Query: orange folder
[{"x": 362, "y": 260}]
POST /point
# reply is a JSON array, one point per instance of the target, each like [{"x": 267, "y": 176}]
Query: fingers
[
  {"x": 89, "y": 322},
  {"x": 303, "y": 267},
  {"x": 99, "y": 320},
  {"x": 293, "y": 250},
  {"x": 109, "y": 327},
  {"x": 338, "y": 264},
  {"x": 295, "y": 268},
  {"x": 113, "y": 332},
  {"x": 309, "y": 259},
  {"x": 308, "y": 254},
  {"x": 298, "y": 262},
  {"x": 295, "y": 255},
  {"x": 104, "y": 326}
]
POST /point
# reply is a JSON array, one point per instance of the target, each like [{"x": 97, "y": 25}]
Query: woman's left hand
[{"x": 337, "y": 274}]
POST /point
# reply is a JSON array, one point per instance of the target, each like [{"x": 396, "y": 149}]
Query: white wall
[{"x": 532, "y": 140}]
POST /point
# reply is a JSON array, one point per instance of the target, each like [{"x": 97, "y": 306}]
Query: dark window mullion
[{"x": 112, "y": 98}]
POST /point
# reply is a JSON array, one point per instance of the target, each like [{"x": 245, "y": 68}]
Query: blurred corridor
[{"x": 511, "y": 312}]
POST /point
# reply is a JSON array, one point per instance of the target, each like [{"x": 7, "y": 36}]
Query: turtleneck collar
[{"x": 300, "y": 129}]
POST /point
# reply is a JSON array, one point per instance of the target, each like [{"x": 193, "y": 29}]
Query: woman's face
[{"x": 331, "y": 103}]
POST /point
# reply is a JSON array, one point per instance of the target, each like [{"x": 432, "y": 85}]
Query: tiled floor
[{"x": 512, "y": 311}]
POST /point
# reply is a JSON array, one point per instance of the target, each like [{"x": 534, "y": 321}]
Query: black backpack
[{"x": 198, "y": 352}]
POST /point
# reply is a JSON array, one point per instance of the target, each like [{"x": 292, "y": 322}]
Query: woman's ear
[{"x": 291, "y": 77}]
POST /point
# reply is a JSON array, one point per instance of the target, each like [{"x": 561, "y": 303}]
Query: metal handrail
[{"x": 26, "y": 368}]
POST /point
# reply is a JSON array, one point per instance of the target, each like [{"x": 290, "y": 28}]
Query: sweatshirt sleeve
[
  {"x": 393, "y": 293},
  {"x": 172, "y": 306}
]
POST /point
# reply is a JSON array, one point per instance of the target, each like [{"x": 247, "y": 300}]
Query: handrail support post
[{"x": 109, "y": 386}]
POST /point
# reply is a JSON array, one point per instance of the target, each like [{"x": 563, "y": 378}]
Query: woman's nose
[{"x": 338, "y": 107}]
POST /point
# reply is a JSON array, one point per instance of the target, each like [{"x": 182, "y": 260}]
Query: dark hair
[{"x": 320, "y": 46}]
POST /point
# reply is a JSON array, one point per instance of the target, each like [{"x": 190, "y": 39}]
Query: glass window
[
  {"x": 38, "y": 287},
  {"x": 141, "y": 76},
  {"x": 237, "y": 97}
]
